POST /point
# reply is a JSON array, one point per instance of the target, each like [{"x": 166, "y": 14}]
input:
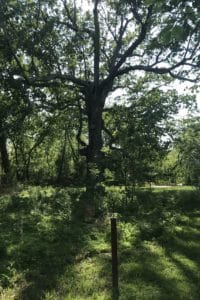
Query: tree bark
[
  {"x": 61, "y": 158},
  {"x": 95, "y": 123},
  {"x": 5, "y": 163},
  {"x": 16, "y": 161},
  {"x": 94, "y": 190}
]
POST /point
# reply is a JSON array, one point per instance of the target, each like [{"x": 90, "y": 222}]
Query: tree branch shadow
[{"x": 45, "y": 238}]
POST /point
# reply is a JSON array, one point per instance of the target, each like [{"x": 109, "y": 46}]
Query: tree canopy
[{"x": 61, "y": 54}]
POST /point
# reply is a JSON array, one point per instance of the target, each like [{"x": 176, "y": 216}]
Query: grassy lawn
[{"x": 47, "y": 253}]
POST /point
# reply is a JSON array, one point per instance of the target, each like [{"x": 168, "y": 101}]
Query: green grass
[
  {"x": 47, "y": 253},
  {"x": 173, "y": 188}
]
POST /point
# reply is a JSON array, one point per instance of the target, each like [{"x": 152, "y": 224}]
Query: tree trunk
[
  {"x": 61, "y": 159},
  {"x": 94, "y": 190},
  {"x": 27, "y": 168},
  {"x": 16, "y": 161},
  {"x": 95, "y": 124},
  {"x": 95, "y": 97},
  {"x": 5, "y": 163}
]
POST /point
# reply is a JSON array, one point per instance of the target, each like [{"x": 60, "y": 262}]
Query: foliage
[
  {"x": 188, "y": 146},
  {"x": 57, "y": 50},
  {"x": 138, "y": 132}
]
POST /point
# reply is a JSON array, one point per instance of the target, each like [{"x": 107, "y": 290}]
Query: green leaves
[
  {"x": 172, "y": 34},
  {"x": 177, "y": 32},
  {"x": 149, "y": 2},
  {"x": 188, "y": 146}
]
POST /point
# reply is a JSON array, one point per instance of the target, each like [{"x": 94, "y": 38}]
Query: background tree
[
  {"x": 139, "y": 130},
  {"x": 188, "y": 147},
  {"x": 14, "y": 107}
]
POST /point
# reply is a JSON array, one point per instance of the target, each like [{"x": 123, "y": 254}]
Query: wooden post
[{"x": 114, "y": 258}]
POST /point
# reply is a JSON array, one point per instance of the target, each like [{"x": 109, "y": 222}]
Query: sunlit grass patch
[
  {"x": 139, "y": 290},
  {"x": 86, "y": 279},
  {"x": 159, "y": 273},
  {"x": 173, "y": 188},
  {"x": 187, "y": 262},
  {"x": 127, "y": 233}
]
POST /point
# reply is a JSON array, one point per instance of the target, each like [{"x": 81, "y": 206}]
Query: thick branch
[
  {"x": 76, "y": 29},
  {"x": 177, "y": 76},
  {"x": 135, "y": 12},
  {"x": 78, "y": 136},
  {"x": 96, "y": 46},
  {"x": 134, "y": 45},
  {"x": 156, "y": 70},
  {"x": 56, "y": 77},
  {"x": 116, "y": 51}
]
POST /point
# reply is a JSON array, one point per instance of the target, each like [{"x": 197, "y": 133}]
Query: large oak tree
[{"x": 90, "y": 47}]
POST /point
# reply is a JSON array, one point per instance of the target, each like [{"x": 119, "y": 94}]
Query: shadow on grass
[
  {"x": 41, "y": 238},
  {"x": 163, "y": 258},
  {"x": 46, "y": 243}
]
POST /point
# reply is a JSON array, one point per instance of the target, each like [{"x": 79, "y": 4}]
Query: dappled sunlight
[
  {"x": 157, "y": 272},
  {"x": 41, "y": 239},
  {"x": 48, "y": 253},
  {"x": 188, "y": 263},
  {"x": 140, "y": 289},
  {"x": 167, "y": 264},
  {"x": 189, "y": 233}
]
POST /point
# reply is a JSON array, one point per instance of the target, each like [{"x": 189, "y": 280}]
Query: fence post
[{"x": 114, "y": 258}]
